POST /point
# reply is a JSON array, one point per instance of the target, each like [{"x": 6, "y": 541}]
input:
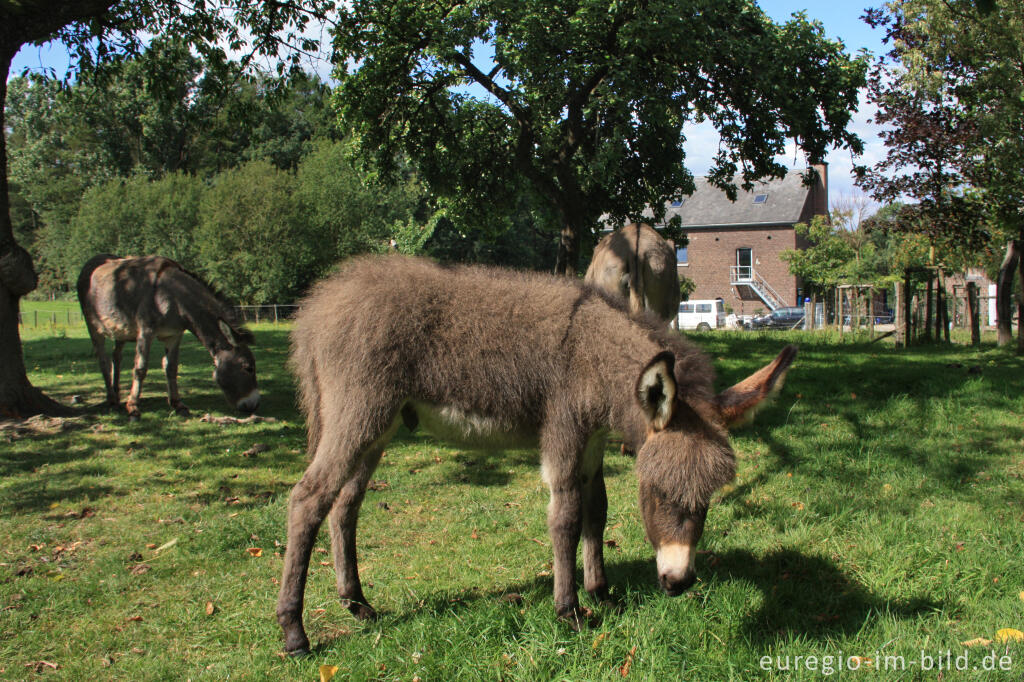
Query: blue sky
[{"x": 840, "y": 18}]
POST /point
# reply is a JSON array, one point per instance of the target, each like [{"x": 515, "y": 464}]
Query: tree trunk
[
  {"x": 17, "y": 277},
  {"x": 1004, "y": 292},
  {"x": 1020, "y": 313},
  {"x": 568, "y": 248}
]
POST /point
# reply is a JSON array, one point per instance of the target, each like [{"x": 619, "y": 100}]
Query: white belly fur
[{"x": 471, "y": 430}]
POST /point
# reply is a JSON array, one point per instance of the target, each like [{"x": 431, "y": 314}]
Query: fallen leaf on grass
[
  {"x": 598, "y": 640},
  {"x": 611, "y": 543},
  {"x": 513, "y": 598},
  {"x": 1021, "y": 595},
  {"x": 134, "y": 619},
  {"x": 138, "y": 569},
  {"x": 860, "y": 661},
  {"x": 327, "y": 672},
  {"x": 977, "y": 641},
  {"x": 38, "y": 666},
  {"x": 210, "y": 608},
  {"x": 1009, "y": 635},
  {"x": 255, "y": 551},
  {"x": 624, "y": 669},
  {"x": 150, "y": 545}
]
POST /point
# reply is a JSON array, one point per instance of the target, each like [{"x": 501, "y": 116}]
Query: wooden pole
[
  {"x": 928, "y": 309},
  {"x": 871, "y": 312},
  {"x": 906, "y": 306},
  {"x": 899, "y": 314},
  {"x": 972, "y": 313}
]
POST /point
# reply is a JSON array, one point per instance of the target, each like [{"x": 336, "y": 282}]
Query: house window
[
  {"x": 676, "y": 203},
  {"x": 760, "y": 198},
  {"x": 681, "y": 257}
]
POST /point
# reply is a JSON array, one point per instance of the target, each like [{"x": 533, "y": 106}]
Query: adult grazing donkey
[
  {"x": 494, "y": 358},
  {"x": 141, "y": 299},
  {"x": 638, "y": 265}
]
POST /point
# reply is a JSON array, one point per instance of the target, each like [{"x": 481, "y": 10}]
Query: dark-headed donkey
[
  {"x": 153, "y": 298},
  {"x": 493, "y": 358}
]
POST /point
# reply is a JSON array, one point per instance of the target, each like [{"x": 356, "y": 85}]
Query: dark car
[{"x": 782, "y": 318}]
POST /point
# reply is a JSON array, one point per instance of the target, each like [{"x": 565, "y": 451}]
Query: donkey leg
[
  {"x": 142, "y": 344},
  {"x": 170, "y": 363},
  {"x": 595, "y": 516},
  {"x": 342, "y": 524},
  {"x": 100, "y": 350},
  {"x": 115, "y": 372},
  {"x": 560, "y": 470},
  {"x": 334, "y": 464}
]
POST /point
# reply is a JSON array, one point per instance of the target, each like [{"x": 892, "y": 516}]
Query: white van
[{"x": 702, "y": 315}]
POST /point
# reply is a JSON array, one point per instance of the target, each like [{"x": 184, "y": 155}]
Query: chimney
[{"x": 819, "y": 191}]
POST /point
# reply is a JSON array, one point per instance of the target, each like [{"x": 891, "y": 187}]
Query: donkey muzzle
[
  {"x": 675, "y": 568},
  {"x": 249, "y": 403}
]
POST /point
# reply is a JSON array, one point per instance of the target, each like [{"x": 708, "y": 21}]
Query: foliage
[
  {"x": 959, "y": 93},
  {"x": 826, "y": 261},
  {"x": 686, "y": 287},
  {"x": 583, "y": 101},
  {"x": 879, "y": 505}
]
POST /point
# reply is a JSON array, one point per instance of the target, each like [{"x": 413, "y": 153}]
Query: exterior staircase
[{"x": 747, "y": 281}]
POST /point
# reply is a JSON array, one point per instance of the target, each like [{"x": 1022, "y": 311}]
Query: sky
[{"x": 840, "y": 18}]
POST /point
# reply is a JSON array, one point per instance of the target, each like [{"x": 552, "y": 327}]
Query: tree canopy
[
  {"x": 584, "y": 101},
  {"x": 955, "y": 95}
]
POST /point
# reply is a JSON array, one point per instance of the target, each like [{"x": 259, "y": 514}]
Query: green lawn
[{"x": 878, "y": 511}]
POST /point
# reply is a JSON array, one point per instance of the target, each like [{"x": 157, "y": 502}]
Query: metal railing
[{"x": 745, "y": 275}]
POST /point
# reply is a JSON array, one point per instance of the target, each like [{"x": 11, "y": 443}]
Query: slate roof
[{"x": 708, "y": 206}]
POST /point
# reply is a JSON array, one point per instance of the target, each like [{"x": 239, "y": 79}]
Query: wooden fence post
[
  {"x": 907, "y": 306},
  {"x": 972, "y": 313}
]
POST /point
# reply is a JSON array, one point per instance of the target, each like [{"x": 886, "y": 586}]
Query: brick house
[{"x": 734, "y": 247}]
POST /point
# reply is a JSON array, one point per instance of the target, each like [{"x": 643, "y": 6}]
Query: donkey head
[
  {"x": 235, "y": 368},
  {"x": 687, "y": 456}
]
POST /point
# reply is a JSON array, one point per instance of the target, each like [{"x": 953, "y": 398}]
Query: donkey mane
[{"x": 227, "y": 305}]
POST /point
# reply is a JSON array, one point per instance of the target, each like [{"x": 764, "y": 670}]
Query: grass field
[{"x": 878, "y": 512}]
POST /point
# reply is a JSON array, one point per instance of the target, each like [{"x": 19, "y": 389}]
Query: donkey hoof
[
  {"x": 606, "y": 601},
  {"x": 297, "y": 647},
  {"x": 578, "y": 618},
  {"x": 361, "y": 610}
]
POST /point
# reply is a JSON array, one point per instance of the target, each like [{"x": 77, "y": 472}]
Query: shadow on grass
[{"x": 805, "y": 597}]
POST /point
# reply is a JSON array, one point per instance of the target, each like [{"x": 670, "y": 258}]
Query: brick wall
[{"x": 711, "y": 252}]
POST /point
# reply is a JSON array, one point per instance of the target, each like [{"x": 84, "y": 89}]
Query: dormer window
[
  {"x": 676, "y": 203},
  {"x": 760, "y": 198}
]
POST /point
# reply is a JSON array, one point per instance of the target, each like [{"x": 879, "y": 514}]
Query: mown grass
[{"x": 878, "y": 507}]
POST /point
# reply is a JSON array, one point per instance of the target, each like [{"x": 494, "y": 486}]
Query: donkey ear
[
  {"x": 228, "y": 332},
  {"x": 656, "y": 390},
  {"x": 739, "y": 403}
]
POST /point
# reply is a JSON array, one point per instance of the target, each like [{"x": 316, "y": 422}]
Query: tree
[
  {"x": 826, "y": 262},
  {"x": 104, "y": 31},
  {"x": 585, "y": 100},
  {"x": 964, "y": 57}
]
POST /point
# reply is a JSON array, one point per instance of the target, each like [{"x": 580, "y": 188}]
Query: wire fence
[{"x": 69, "y": 317}]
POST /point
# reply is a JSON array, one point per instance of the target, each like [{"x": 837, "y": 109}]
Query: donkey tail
[{"x": 308, "y": 387}]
